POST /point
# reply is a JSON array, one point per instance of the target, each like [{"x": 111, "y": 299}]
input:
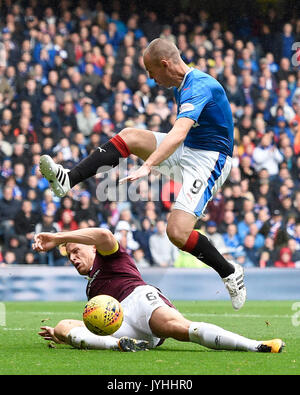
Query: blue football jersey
[{"x": 201, "y": 98}]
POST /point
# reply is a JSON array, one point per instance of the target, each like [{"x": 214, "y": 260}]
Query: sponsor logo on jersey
[{"x": 186, "y": 107}]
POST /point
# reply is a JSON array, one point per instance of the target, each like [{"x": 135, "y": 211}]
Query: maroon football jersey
[{"x": 115, "y": 275}]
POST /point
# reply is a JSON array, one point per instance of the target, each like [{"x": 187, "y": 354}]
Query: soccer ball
[{"x": 103, "y": 315}]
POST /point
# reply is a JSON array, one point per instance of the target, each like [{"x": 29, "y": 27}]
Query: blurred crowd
[{"x": 72, "y": 77}]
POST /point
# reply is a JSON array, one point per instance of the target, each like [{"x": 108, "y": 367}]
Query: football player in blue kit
[{"x": 197, "y": 151}]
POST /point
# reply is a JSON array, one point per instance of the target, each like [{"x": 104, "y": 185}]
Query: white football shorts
[
  {"x": 138, "y": 308},
  {"x": 200, "y": 172}
]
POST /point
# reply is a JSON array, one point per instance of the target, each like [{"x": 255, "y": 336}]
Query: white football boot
[
  {"x": 56, "y": 175},
  {"x": 274, "y": 346},
  {"x": 236, "y": 287}
]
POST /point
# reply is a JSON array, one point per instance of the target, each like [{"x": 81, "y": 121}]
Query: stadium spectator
[
  {"x": 275, "y": 229},
  {"x": 17, "y": 247},
  {"x": 6, "y": 170},
  {"x": 232, "y": 240},
  {"x": 86, "y": 210},
  {"x": 139, "y": 258},
  {"x": 142, "y": 236},
  {"x": 67, "y": 221},
  {"x": 295, "y": 250},
  {"x": 167, "y": 33},
  {"x": 9, "y": 207},
  {"x": 163, "y": 252},
  {"x": 214, "y": 237},
  {"x": 243, "y": 227},
  {"x": 216, "y": 208},
  {"x": 25, "y": 220},
  {"x": 6, "y": 90},
  {"x": 251, "y": 252},
  {"x": 151, "y": 26},
  {"x": 228, "y": 219},
  {"x": 86, "y": 119},
  {"x": 285, "y": 258},
  {"x": 267, "y": 156},
  {"x": 9, "y": 258},
  {"x": 124, "y": 235},
  {"x": 161, "y": 107},
  {"x": 286, "y": 40},
  {"x": 296, "y": 233},
  {"x": 66, "y": 59},
  {"x": 30, "y": 258},
  {"x": 237, "y": 198},
  {"x": 259, "y": 239}
]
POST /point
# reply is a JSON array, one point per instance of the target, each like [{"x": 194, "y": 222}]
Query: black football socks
[
  {"x": 108, "y": 155},
  {"x": 199, "y": 246}
]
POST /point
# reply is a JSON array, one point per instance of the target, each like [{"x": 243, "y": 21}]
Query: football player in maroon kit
[{"x": 149, "y": 317}]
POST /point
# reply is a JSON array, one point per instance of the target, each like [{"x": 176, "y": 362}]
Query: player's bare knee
[
  {"x": 172, "y": 327},
  {"x": 131, "y": 138},
  {"x": 167, "y": 322},
  {"x": 139, "y": 142},
  {"x": 176, "y": 236},
  {"x": 128, "y": 135},
  {"x": 175, "y": 329},
  {"x": 179, "y": 228}
]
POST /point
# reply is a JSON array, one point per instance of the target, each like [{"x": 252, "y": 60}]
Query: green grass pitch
[{"x": 23, "y": 352}]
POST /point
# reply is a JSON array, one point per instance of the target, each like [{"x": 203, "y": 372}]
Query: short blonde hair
[{"x": 160, "y": 48}]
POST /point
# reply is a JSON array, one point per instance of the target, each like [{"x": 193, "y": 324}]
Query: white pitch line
[
  {"x": 237, "y": 315},
  {"x": 41, "y": 312},
  {"x": 16, "y": 329}
]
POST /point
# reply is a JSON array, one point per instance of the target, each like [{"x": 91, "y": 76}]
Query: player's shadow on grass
[
  {"x": 158, "y": 349},
  {"x": 200, "y": 349}
]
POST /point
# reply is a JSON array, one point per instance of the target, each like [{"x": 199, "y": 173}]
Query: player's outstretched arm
[
  {"x": 172, "y": 141},
  {"x": 169, "y": 145},
  {"x": 103, "y": 239}
]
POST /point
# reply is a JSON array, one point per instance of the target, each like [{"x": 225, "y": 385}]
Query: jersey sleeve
[
  {"x": 111, "y": 252},
  {"x": 192, "y": 99}
]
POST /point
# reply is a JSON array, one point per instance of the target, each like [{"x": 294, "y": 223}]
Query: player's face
[
  {"x": 159, "y": 72},
  {"x": 81, "y": 256}
]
